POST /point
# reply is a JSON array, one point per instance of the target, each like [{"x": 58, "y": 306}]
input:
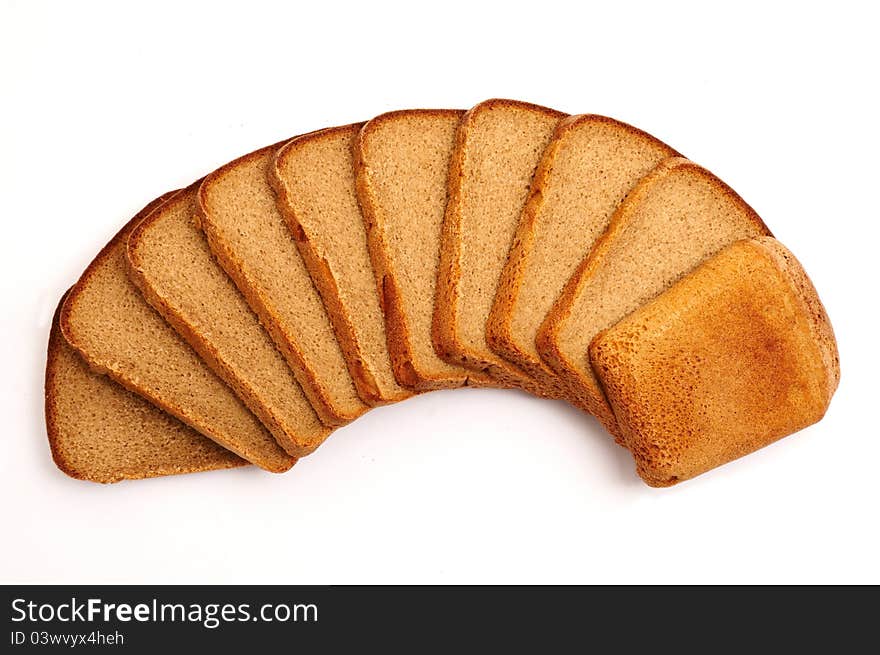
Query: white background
[{"x": 105, "y": 106}]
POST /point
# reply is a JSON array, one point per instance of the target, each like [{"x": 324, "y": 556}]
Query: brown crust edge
[
  {"x": 322, "y": 276},
  {"x": 286, "y": 343},
  {"x": 293, "y": 444},
  {"x": 498, "y": 328},
  {"x": 445, "y": 319},
  {"x": 407, "y": 370}
]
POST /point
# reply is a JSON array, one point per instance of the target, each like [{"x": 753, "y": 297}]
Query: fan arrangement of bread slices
[{"x": 244, "y": 318}]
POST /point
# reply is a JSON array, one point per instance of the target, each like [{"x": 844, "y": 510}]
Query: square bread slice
[
  {"x": 101, "y": 432},
  {"x": 170, "y": 262},
  {"x": 402, "y": 171},
  {"x": 248, "y": 236},
  {"x": 736, "y": 355},
  {"x": 676, "y": 217},
  {"x": 108, "y": 322},
  {"x": 313, "y": 177},
  {"x": 589, "y": 167},
  {"x": 497, "y": 149}
]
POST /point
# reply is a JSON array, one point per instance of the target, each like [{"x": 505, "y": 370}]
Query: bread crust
[
  {"x": 329, "y": 413},
  {"x": 498, "y": 328},
  {"x": 274, "y": 465},
  {"x": 407, "y": 371},
  {"x": 444, "y": 327},
  {"x": 296, "y": 445},
  {"x": 736, "y": 355},
  {"x": 325, "y": 281},
  {"x": 583, "y": 390},
  {"x": 54, "y": 430}
]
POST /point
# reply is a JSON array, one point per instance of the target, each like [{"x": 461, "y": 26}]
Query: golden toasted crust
[
  {"x": 295, "y": 442},
  {"x": 812, "y": 307},
  {"x": 583, "y": 389},
  {"x": 329, "y": 411},
  {"x": 276, "y": 462},
  {"x": 499, "y": 329},
  {"x": 445, "y": 324},
  {"x": 322, "y": 274},
  {"x": 737, "y": 354},
  {"x": 397, "y": 322},
  {"x": 169, "y": 447}
]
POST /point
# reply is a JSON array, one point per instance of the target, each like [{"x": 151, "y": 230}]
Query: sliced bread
[
  {"x": 498, "y": 146},
  {"x": 733, "y": 357},
  {"x": 101, "y": 432},
  {"x": 676, "y": 217},
  {"x": 245, "y": 231},
  {"x": 313, "y": 177},
  {"x": 108, "y": 322},
  {"x": 170, "y": 262},
  {"x": 591, "y": 164},
  {"x": 402, "y": 168}
]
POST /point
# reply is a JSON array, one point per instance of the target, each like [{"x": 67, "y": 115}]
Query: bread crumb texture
[
  {"x": 247, "y": 234},
  {"x": 314, "y": 178},
  {"x": 108, "y": 322},
  {"x": 402, "y": 166},
  {"x": 586, "y": 171},
  {"x": 171, "y": 263},
  {"x": 498, "y": 146},
  {"x": 101, "y": 432}
]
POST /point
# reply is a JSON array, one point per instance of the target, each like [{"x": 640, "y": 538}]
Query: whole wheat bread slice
[
  {"x": 313, "y": 177},
  {"x": 676, "y": 217},
  {"x": 497, "y": 149},
  {"x": 585, "y": 173},
  {"x": 170, "y": 262},
  {"x": 736, "y": 355},
  {"x": 250, "y": 240},
  {"x": 101, "y": 432},
  {"x": 402, "y": 169},
  {"x": 108, "y": 322}
]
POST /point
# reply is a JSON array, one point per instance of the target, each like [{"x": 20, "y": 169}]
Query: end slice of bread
[
  {"x": 402, "y": 168},
  {"x": 313, "y": 177},
  {"x": 497, "y": 149},
  {"x": 247, "y": 234},
  {"x": 586, "y": 171},
  {"x": 99, "y": 431},
  {"x": 170, "y": 262},
  {"x": 108, "y": 322},
  {"x": 736, "y": 355},
  {"x": 675, "y": 218}
]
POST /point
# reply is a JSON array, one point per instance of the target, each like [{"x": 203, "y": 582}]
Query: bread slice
[
  {"x": 313, "y": 177},
  {"x": 676, "y": 217},
  {"x": 402, "y": 168},
  {"x": 101, "y": 432},
  {"x": 498, "y": 146},
  {"x": 112, "y": 327},
  {"x": 248, "y": 236},
  {"x": 733, "y": 357},
  {"x": 591, "y": 164},
  {"x": 170, "y": 262}
]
